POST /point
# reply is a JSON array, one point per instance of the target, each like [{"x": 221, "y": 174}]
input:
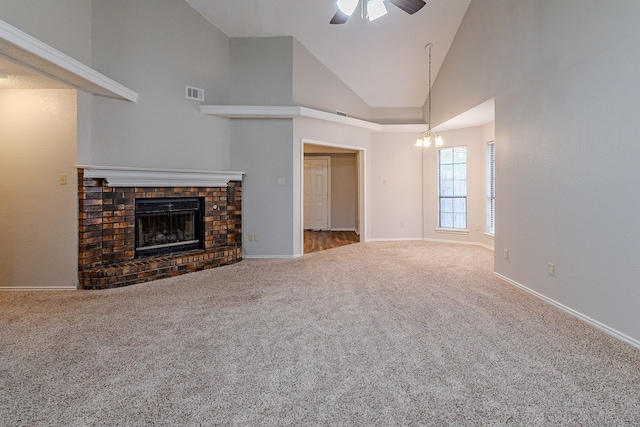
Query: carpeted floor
[{"x": 410, "y": 333}]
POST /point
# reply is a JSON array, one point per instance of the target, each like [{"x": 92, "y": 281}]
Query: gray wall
[
  {"x": 62, "y": 24},
  {"x": 157, "y": 47},
  {"x": 564, "y": 78},
  {"x": 262, "y": 71},
  {"x": 315, "y": 86},
  {"x": 264, "y": 149}
]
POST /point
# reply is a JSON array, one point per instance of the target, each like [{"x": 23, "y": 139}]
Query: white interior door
[{"x": 316, "y": 192}]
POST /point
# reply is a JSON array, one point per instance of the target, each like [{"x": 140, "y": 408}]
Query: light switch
[
  {"x": 281, "y": 181},
  {"x": 62, "y": 179}
]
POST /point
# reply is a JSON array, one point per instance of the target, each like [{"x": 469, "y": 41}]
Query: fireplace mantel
[{"x": 151, "y": 177}]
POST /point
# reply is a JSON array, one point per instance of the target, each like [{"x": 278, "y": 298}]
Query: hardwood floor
[{"x": 320, "y": 240}]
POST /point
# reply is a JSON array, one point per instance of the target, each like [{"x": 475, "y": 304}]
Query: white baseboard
[
  {"x": 270, "y": 256},
  {"x": 344, "y": 229},
  {"x": 394, "y": 239},
  {"x": 613, "y": 332},
  {"x": 460, "y": 242},
  {"x": 38, "y": 288}
]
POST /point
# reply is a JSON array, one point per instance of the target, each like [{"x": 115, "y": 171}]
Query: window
[
  {"x": 452, "y": 187},
  {"x": 491, "y": 187}
]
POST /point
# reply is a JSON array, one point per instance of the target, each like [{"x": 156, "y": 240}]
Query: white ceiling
[{"x": 383, "y": 61}]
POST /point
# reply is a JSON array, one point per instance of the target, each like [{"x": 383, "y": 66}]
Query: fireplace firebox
[{"x": 166, "y": 226}]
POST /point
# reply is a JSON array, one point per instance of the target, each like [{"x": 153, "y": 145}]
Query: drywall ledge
[
  {"x": 20, "y": 47},
  {"x": 293, "y": 111},
  {"x": 149, "y": 177}
]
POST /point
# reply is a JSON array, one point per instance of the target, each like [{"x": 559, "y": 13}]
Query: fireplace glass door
[{"x": 165, "y": 226}]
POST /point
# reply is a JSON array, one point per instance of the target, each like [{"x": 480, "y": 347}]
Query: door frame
[
  {"x": 363, "y": 185},
  {"x": 328, "y": 204}
]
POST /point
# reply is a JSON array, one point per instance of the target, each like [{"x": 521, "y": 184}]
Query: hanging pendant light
[{"x": 430, "y": 137}]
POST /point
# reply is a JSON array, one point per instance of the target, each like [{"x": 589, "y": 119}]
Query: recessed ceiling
[{"x": 383, "y": 61}]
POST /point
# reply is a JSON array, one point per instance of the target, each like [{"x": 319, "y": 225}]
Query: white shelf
[
  {"x": 153, "y": 177},
  {"x": 293, "y": 111},
  {"x": 20, "y": 47}
]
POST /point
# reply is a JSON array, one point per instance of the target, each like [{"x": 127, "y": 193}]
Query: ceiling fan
[{"x": 375, "y": 8}]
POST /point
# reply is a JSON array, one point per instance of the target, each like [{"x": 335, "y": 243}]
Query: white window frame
[{"x": 452, "y": 230}]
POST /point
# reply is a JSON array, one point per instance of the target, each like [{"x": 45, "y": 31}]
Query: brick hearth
[{"x": 106, "y": 257}]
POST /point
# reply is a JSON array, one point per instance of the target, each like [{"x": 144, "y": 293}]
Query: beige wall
[
  {"x": 38, "y": 216},
  {"x": 475, "y": 139},
  {"x": 397, "y": 191}
]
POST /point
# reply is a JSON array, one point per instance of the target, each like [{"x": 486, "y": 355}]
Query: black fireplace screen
[{"x": 165, "y": 226}]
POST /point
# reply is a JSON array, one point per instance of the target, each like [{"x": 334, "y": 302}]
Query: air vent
[
  {"x": 341, "y": 113},
  {"x": 195, "y": 93}
]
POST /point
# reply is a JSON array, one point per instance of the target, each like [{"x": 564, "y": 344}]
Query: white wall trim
[
  {"x": 31, "y": 52},
  {"x": 38, "y": 288},
  {"x": 394, "y": 239},
  {"x": 293, "y": 111},
  {"x": 344, "y": 229},
  {"x": 613, "y": 332},
  {"x": 270, "y": 256},
  {"x": 459, "y": 242},
  {"x": 151, "y": 177},
  {"x": 363, "y": 184},
  {"x": 452, "y": 230}
]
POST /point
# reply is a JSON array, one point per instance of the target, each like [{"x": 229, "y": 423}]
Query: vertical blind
[{"x": 491, "y": 187}]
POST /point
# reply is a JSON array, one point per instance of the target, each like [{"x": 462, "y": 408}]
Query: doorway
[{"x": 343, "y": 200}]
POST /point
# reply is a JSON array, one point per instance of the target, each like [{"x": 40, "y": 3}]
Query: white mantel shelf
[
  {"x": 20, "y": 47},
  {"x": 152, "y": 177},
  {"x": 293, "y": 111}
]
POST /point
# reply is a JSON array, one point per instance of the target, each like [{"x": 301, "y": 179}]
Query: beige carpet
[{"x": 368, "y": 334}]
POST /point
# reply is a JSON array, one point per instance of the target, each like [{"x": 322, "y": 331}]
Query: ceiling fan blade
[
  {"x": 339, "y": 18},
  {"x": 409, "y": 6}
]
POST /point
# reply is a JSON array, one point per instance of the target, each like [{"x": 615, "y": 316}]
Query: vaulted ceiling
[{"x": 383, "y": 61}]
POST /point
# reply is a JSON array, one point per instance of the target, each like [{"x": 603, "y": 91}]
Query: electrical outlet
[
  {"x": 476, "y": 227},
  {"x": 551, "y": 269},
  {"x": 506, "y": 254},
  {"x": 402, "y": 225},
  {"x": 250, "y": 237}
]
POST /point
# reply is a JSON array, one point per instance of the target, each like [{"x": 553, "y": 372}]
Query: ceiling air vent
[
  {"x": 195, "y": 93},
  {"x": 341, "y": 113}
]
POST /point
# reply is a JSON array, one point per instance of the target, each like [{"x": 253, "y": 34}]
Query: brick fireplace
[{"x": 107, "y": 240}]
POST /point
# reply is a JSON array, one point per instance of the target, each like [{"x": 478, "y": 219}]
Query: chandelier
[{"x": 430, "y": 137}]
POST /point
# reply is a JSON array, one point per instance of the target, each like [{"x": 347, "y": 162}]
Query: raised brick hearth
[{"x": 107, "y": 233}]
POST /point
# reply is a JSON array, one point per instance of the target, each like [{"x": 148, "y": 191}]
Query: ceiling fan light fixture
[
  {"x": 347, "y": 6},
  {"x": 376, "y": 9}
]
